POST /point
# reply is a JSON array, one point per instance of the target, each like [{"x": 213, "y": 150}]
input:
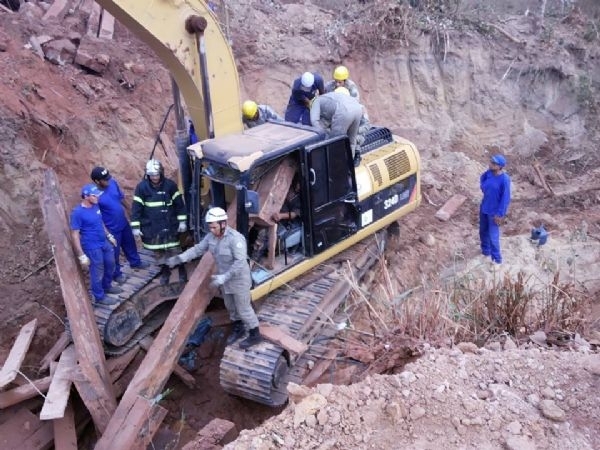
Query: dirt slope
[{"x": 461, "y": 83}]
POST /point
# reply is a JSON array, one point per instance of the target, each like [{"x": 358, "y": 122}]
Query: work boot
[
  {"x": 165, "y": 275},
  {"x": 113, "y": 290},
  {"x": 142, "y": 265},
  {"x": 253, "y": 338},
  {"x": 237, "y": 331},
  {"x": 121, "y": 279},
  {"x": 183, "y": 278}
]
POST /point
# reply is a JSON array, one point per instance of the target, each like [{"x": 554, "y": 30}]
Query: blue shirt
[
  {"x": 296, "y": 110},
  {"x": 496, "y": 193},
  {"x": 89, "y": 223},
  {"x": 111, "y": 207}
]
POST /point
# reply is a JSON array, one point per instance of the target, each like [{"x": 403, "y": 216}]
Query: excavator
[{"x": 301, "y": 276}]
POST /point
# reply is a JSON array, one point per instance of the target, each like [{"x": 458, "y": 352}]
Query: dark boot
[
  {"x": 165, "y": 275},
  {"x": 253, "y": 338},
  {"x": 182, "y": 274},
  {"x": 237, "y": 331}
]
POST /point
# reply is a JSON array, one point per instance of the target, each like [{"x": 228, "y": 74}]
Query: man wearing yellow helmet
[
  {"x": 254, "y": 114},
  {"x": 341, "y": 78}
]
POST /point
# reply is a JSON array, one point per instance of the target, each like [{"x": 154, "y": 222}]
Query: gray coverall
[
  {"x": 265, "y": 113},
  {"x": 230, "y": 253},
  {"x": 348, "y": 84},
  {"x": 338, "y": 113}
]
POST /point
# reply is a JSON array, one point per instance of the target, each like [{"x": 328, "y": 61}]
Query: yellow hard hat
[
  {"x": 249, "y": 109},
  {"x": 342, "y": 90},
  {"x": 341, "y": 73}
]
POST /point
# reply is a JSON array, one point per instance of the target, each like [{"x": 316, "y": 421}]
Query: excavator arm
[{"x": 186, "y": 36}]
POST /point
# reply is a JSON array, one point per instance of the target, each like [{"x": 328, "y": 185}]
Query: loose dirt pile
[{"x": 461, "y": 398}]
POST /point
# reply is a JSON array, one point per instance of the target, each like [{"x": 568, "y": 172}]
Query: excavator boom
[{"x": 201, "y": 63}]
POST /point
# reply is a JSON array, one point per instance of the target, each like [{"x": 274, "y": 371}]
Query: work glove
[
  {"x": 137, "y": 232},
  {"x": 84, "y": 260},
  {"x": 182, "y": 227},
  {"x": 218, "y": 280},
  {"x": 174, "y": 261},
  {"x": 111, "y": 239}
]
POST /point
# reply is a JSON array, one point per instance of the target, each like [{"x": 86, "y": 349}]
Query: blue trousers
[
  {"x": 489, "y": 236},
  {"x": 125, "y": 242},
  {"x": 102, "y": 267},
  {"x": 297, "y": 114}
]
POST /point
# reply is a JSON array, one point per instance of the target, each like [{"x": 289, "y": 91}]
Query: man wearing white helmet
[
  {"x": 157, "y": 216},
  {"x": 230, "y": 251},
  {"x": 341, "y": 78},
  {"x": 304, "y": 89}
]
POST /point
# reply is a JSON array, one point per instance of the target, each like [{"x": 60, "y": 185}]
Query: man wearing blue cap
[
  {"x": 94, "y": 244},
  {"x": 495, "y": 185}
]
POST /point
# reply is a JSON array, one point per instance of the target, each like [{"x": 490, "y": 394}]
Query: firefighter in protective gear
[
  {"x": 341, "y": 78},
  {"x": 229, "y": 249},
  {"x": 157, "y": 215},
  {"x": 304, "y": 89},
  {"x": 337, "y": 113},
  {"x": 254, "y": 114},
  {"x": 495, "y": 185}
]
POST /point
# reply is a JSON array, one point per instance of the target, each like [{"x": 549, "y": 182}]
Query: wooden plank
[
  {"x": 24, "y": 431},
  {"x": 57, "y": 9},
  {"x": 155, "y": 369},
  {"x": 216, "y": 433},
  {"x": 12, "y": 365},
  {"x": 450, "y": 207},
  {"x": 58, "y": 393},
  {"x": 279, "y": 337},
  {"x": 144, "y": 419},
  {"x": 107, "y": 25},
  {"x": 183, "y": 374},
  {"x": 98, "y": 397},
  {"x": 93, "y": 24},
  {"x": 320, "y": 368},
  {"x": 24, "y": 392},
  {"x": 65, "y": 432},
  {"x": 55, "y": 351}
]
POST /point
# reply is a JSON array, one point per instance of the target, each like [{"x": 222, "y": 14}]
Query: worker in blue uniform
[
  {"x": 495, "y": 185},
  {"x": 304, "y": 89},
  {"x": 94, "y": 244},
  {"x": 113, "y": 214}
]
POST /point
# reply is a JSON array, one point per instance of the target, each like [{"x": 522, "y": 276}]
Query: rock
[
  {"x": 309, "y": 406},
  {"x": 427, "y": 239},
  {"x": 60, "y": 51},
  {"x": 514, "y": 427},
  {"x": 548, "y": 392},
  {"x": 592, "y": 364},
  {"x": 89, "y": 55},
  {"x": 297, "y": 393},
  {"x": 494, "y": 346},
  {"x": 550, "y": 410},
  {"x": 509, "y": 344},
  {"x": 539, "y": 338},
  {"x": 407, "y": 377},
  {"x": 519, "y": 443},
  {"x": 416, "y": 412},
  {"x": 467, "y": 347}
]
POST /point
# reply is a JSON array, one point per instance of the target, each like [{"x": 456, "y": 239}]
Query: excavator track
[
  {"x": 139, "y": 310},
  {"x": 301, "y": 310}
]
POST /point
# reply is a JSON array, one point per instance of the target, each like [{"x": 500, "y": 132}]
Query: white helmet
[
  {"x": 153, "y": 167},
  {"x": 216, "y": 215},
  {"x": 307, "y": 80}
]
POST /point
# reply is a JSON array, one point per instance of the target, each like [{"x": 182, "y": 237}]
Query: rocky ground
[{"x": 461, "y": 80}]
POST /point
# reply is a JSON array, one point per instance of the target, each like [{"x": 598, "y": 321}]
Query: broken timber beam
[
  {"x": 279, "y": 337},
  {"x": 58, "y": 347},
  {"x": 12, "y": 365},
  {"x": 155, "y": 369},
  {"x": 60, "y": 388},
  {"x": 450, "y": 207},
  {"x": 96, "y": 392},
  {"x": 65, "y": 431},
  {"x": 183, "y": 374}
]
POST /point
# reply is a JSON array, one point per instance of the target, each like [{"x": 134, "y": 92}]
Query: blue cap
[
  {"x": 499, "y": 159},
  {"x": 90, "y": 189}
]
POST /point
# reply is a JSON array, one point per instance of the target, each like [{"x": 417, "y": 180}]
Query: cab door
[{"x": 333, "y": 214}]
